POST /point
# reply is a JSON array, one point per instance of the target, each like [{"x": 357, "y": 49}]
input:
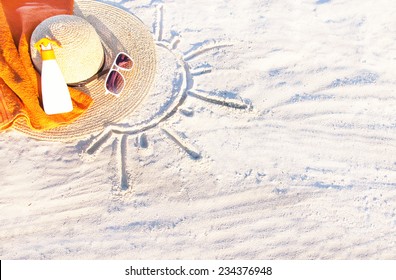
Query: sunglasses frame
[{"x": 116, "y": 68}]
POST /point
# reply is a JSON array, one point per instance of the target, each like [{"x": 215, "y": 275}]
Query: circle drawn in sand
[{"x": 165, "y": 100}]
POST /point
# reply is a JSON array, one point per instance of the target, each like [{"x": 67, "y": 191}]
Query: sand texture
[{"x": 270, "y": 133}]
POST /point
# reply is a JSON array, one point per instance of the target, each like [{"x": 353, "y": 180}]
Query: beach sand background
[{"x": 283, "y": 148}]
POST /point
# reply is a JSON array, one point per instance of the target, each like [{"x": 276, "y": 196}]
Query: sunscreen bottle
[{"x": 55, "y": 93}]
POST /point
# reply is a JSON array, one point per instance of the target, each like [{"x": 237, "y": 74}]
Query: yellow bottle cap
[{"x": 47, "y": 53}]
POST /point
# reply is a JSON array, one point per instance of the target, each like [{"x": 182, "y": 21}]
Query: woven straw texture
[
  {"x": 120, "y": 31},
  {"x": 79, "y": 40}
]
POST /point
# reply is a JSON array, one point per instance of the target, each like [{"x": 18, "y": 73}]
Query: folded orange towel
[{"x": 19, "y": 82}]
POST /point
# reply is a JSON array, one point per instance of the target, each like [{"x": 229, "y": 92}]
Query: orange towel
[{"x": 19, "y": 81}]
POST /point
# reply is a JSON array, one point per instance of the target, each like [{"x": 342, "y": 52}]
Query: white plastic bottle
[{"x": 55, "y": 93}]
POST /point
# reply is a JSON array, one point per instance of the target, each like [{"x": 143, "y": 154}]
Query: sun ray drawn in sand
[{"x": 186, "y": 88}]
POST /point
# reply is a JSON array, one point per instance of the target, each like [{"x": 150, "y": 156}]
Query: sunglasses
[{"x": 115, "y": 81}]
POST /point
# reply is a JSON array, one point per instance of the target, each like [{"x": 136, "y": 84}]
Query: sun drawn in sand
[{"x": 183, "y": 87}]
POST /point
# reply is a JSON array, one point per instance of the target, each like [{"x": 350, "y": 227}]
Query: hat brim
[{"x": 120, "y": 31}]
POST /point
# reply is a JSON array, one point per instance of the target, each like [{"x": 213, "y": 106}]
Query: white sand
[{"x": 307, "y": 172}]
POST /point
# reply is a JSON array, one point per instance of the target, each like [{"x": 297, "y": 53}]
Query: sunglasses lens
[
  {"x": 115, "y": 82},
  {"x": 124, "y": 61}
]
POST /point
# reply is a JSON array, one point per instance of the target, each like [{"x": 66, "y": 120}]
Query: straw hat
[
  {"x": 79, "y": 41},
  {"x": 119, "y": 31}
]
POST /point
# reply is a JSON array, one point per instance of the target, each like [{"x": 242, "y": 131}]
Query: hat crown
[{"x": 81, "y": 53}]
